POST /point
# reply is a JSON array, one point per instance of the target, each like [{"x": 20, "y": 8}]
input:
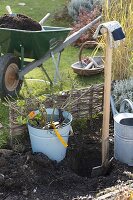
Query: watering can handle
[
  {"x": 123, "y": 105},
  {"x": 44, "y": 19},
  {"x": 8, "y": 8}
]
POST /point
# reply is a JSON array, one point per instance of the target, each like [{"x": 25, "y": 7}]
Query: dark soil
[
  {"x": 27, "y": 176},
  {"x": 19, "y": 21}
]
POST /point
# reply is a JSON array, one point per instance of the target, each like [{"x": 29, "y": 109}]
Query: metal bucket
[
  {"x": 46, "y": 142},
  {"x": 123, "y": 133}
]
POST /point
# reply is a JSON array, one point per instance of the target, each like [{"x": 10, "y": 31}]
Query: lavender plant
[{"x": 122, "y": 89}]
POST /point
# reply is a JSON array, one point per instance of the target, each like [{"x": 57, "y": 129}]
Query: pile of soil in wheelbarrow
[
  {"x": 28, "y": 176},
  {"x": 19, "y": 21}
]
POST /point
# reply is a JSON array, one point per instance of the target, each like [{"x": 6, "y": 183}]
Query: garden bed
[
  {"x": 28, "y": 176},
  {"x": 34, "y": 176}
]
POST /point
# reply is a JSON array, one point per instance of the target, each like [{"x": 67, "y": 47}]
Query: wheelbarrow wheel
[{"x": 9, "y": 80}]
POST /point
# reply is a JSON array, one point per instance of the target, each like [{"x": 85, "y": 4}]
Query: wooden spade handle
[{"x": 106, "y": 106}]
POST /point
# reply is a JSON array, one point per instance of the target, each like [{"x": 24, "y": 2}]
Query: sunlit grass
[{"x": 121, "y": 11}]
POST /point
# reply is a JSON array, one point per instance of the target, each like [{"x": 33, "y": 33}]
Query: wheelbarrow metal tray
[{"x": 35, "y": 43}]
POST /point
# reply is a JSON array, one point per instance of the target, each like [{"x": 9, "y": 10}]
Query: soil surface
[
  {"x": 19, "y": 21},
  {"x": 27, "y": 176}
]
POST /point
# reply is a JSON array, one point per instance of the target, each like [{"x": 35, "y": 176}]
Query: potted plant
[{"x": 48, "y": 128}]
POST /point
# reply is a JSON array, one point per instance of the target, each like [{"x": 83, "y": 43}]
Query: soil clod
[{"x": 19, "y": 21}]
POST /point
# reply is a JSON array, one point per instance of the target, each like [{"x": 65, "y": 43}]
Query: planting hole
[{"x": 84, "y": 157}]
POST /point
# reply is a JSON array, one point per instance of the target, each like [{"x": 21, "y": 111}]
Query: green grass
[
  {"x": 37, "y": 10},
  {"x": 68, "y": 77},
  {"x": 4, "y": 120}
]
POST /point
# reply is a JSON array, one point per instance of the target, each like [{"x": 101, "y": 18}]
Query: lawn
[{"x": 37, "y": 10}]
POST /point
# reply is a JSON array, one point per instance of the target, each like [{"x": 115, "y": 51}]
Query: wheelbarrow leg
[
  {"x": 22, "y": 56},
  {"x": 56, "y": 63},
  {"x": 49, "y": 79}
]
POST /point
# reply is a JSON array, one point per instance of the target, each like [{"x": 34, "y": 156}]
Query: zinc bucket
[
  {"x": 123, "y": 138},
  {"x": 46, "y": 141}
]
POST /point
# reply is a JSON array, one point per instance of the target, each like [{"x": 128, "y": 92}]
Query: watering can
[{"x": 123, "y": 132}]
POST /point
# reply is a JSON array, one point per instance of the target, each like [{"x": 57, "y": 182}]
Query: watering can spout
[{"x": 114, "y": 111}]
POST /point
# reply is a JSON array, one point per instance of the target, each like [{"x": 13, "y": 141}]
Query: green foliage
[
  {"x": 24, "y": 109},
  {"x": 80, "y": 125},
  {"x": 4, "y": 120},
  {"x": 3, "y": 137}
]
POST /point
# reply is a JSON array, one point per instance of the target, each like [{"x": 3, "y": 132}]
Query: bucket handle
[
  {"x": 122, "y": 106},
  {"x": 59, "y": 136}
]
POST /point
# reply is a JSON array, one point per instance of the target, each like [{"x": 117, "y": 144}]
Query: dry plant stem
[
  {"x": 67, "y": 102},
  {"x": 121, "y": 11},
  {"x": 12, "y": 106},
  {"x": 52, "y": 116},
  {"x": 71, "y": 103},
  {"x": 43, "y": 112}
]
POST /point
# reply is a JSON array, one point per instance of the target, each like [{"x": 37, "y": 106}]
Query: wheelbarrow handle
[
  {"x": 8, "y": 8},
  {"x": 44, "y": 19}
]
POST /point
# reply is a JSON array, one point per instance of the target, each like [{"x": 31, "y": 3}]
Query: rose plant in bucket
[{"x": 48, "y": 128}]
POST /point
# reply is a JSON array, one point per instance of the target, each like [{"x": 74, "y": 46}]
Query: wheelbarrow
[
  {"x": 123, "y": 131},
  {"x": 16, "y": 45}
]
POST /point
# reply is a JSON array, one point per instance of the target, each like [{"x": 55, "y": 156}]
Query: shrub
[
  {"x": 75, "y": 6},
  {"x": 122, "y": 89},
  {"x": 84, "y": 18}
]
